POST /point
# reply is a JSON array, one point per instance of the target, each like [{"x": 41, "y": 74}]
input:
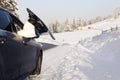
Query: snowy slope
[
  {"x": 83, "y": 55},
  {"x": 106, "y": 24},
  {"x": 93, "y": 60}
]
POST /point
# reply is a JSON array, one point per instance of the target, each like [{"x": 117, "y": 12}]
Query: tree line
[{"x": 74, "y": 24}]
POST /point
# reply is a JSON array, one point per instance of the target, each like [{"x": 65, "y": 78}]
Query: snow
[
  {"x": 27, "y": 31},
  {"x": 70, "y": 37},
  {"x": 83, "y": 55},
  {"x": 106, "y": 24}
]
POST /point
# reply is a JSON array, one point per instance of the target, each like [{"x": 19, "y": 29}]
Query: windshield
[{"x": 4, "y": 20}]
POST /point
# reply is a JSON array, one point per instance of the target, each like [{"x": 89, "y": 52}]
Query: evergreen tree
[
  {"x": 73, "y": 24},
  {"x": 10, "y": 5},
  {"x": 66, "y": 25},
  {"x": 55, "y": 27}
]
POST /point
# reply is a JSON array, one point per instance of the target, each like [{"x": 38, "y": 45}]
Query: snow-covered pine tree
[{"x": 10, "y": 5}]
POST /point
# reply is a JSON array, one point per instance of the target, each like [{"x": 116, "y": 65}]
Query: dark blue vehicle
[{"x": 19, "y": 56}]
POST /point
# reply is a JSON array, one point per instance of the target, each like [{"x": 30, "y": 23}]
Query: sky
[{"x": 51, "y": 10}]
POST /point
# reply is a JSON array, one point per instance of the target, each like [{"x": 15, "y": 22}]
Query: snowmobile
[{"x": 20, "y": 55}]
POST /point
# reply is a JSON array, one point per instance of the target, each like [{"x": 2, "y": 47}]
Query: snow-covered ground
[
  {"x": 83, "y": 55},
  {"x": 106, "y": 24}
]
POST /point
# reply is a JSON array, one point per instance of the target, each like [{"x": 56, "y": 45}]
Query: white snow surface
[
  {"x": 70, "y": 37},
  {"x": 83, "y": 55},
  {"x": 28, "y": 30}
]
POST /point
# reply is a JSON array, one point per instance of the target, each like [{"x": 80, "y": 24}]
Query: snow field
[{"x": 83, "y": 55}]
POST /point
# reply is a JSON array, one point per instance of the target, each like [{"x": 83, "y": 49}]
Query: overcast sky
[{"x": 51, "y": 10}]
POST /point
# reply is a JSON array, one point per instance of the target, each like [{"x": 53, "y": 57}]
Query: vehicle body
[{"x": 19, "y": 56}]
